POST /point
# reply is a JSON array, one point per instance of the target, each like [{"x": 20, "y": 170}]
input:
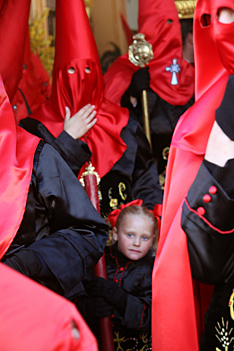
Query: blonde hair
[{"x": 139, "y": 211}]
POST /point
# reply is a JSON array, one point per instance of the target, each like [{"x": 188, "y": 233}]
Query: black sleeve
[
  {"x": 208, "y": 221},
  {"x": 74, "y": 152},
  {"x": 138, "y": 308},
  {"x": 78, "y": 234}
]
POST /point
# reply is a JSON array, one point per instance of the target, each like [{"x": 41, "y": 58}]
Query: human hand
[
  {"x": 224, "y": 114},
  {"x": 140, "y": 81},
  {"x": 102, "y": 307},
  {"x": 99, "y": 286},
  {"x": 109, "y": 290},
  {"x": 77, "y": 125},
  {"x": 220, "y": 148}
]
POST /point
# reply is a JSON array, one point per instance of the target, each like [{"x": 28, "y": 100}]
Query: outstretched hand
[
  {"x": 220, "y": 146},
  {"x": 79, "y": 124}
]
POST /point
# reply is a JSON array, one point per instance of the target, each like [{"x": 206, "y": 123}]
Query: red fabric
[
  {"x": 16, "y": 152},
  {"x": 179, "y": 302},
  {"x": 34, "y": 84},
  {"x": 13, "y": 28},
  {"x": 35, "y": 318},
  {"x": 209, "y": 66},
  {"x": 75, "y": 47},
  {"x": 174, "y": 306},
  {"x": 115, "y": 213},
  {"x": 167, "y": 46}
]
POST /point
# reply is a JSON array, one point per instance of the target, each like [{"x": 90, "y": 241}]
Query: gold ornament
[
  {"x": 185, "y": 8},
  {"x": 89, "y": 171},
  {"x": 140, "y": 51},
  {"x": 41, "y": 41}
]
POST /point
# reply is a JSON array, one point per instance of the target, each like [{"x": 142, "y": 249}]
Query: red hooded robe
[
  {"x": 17, "y": 150},
  {"x": 34, "y": 86},
  {"x": 75, "y": 48},
  {"x": 165, "y": 38},
  {"x": 179, "y": 303}
]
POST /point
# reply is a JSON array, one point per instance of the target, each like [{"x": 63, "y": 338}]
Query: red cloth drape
[{"x": 35, "y": 318}]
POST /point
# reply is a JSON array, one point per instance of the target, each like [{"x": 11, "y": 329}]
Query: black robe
[
  {"x": 211, "y": 248},
  {"x": 134, "y": 176},
  {"x": 60, "y": 225},
  {"x": 163, "y": 119},
  {"x": 131, "y": 329}
]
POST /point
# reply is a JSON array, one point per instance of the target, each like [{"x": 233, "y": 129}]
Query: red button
[
  {"x": 201, "y": 211},
  {"x": 206, "y": 198},
  {"x": 121, "y": 269},
  {"x": 213, "y": 190},
  {"x": 116, "y": 280}
]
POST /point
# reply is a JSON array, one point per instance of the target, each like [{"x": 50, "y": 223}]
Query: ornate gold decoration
[
  {"x": 140, "y": 51},
  {"x": 41, "y": 41},
  {"x": 161, "y": 177},
  {"x": 165, "y": 152},
  {"x": 224, "y": 335},
  {"x": 185, "y": 8},
  {"x": 89, "y": 171},
  {"x": 113, "y": 202},
  {"x": 122, "y": 187},
  {"x": 88, "y": 3},
  {"x": 231, "y": 304}
]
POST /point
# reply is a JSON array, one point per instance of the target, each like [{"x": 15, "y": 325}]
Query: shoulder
[{"x": 48, "y": 161}]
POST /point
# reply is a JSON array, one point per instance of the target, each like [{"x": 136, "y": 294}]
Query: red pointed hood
[
  {"x": 78, "y": 80},
  {"x": 17, "y": 153},
  {"x": 214, "y": 44},
  {"x": 75, "y": 48},
  {"x": 161, "y": 17},
  {"x": 13, "y": 28},
  {"x": 34, "y": 86}
]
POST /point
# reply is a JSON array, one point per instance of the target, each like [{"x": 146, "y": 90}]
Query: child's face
[{"x": 135, "y": 236}]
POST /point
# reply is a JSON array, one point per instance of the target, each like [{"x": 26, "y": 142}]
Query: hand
[
  {"x": 224, "y": 114},
  {"x": 93, "y": 306},
  {"x": 220, "y": 148},
  {"x": 102, "y": 307},
  {"x": 77, "y": 125},
  {"x": 100, "y": 287},
  {"x": 114, "y": 294},
  {"x": 140, "y": 81}
]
